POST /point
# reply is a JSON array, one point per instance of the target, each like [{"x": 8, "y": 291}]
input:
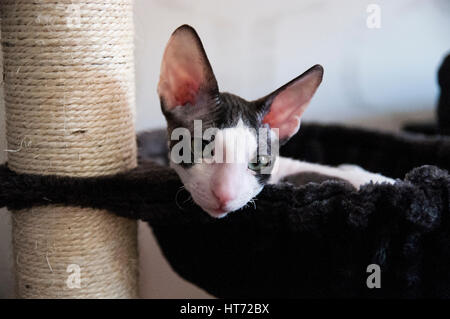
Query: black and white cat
[{"x": 189, "y": 93}]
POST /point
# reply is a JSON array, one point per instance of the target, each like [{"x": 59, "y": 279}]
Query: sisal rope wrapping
[
  {"x": 47, "y": 240},
  {"x": 69, "y": 99}
]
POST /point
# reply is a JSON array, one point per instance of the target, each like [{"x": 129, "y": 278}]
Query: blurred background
[
  {"x": 256, "y": 46},
  {"x": 380, "y": 66}
]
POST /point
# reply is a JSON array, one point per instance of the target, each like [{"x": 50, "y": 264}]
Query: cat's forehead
[
  {"x": 235, "y": 111},
  {"x": 238, "y": 138},
  {"x": 225, "y": 111}
]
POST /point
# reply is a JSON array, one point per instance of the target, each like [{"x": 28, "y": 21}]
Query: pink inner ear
[
  {"x": 285, "y": 116},
  {"x": 183, "y": 84},
  {"x": 184, "y": 70},
  {"x": 288, "y": 106}
]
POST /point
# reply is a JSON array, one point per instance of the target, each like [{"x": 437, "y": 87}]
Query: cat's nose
[{"x": 223, "y": 195}]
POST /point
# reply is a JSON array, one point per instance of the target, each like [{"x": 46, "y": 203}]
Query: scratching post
[{"x": 69, "y": 99}]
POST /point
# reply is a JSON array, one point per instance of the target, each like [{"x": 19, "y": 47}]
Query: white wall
[{"x": 256, "y": 46}]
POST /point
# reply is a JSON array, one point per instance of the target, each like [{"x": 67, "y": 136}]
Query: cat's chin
[{"x": 216, "y": 213}]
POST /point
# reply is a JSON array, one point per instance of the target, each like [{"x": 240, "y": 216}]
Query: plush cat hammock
[
  {"x": 314, "y": 240},
  {"x": 71, "y": 143}
]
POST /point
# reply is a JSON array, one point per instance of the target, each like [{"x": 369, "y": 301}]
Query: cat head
[{"x": 223, "y": 147}]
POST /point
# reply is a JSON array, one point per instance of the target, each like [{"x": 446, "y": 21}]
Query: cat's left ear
[
  {"x": 284, "y": 107},
  {"x": 186, "y": 75}
]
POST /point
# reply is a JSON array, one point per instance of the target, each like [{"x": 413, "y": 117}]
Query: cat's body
[{"x": 234, "y": 152}]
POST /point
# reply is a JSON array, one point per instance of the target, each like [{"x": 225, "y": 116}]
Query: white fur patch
[
  {"x": 226, "y": 174},
  {"x": 352, "y": 173}
]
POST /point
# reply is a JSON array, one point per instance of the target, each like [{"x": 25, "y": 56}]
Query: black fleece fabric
[{"x": 309, "y": 241}]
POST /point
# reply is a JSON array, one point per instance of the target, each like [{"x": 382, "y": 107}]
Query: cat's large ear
[
  {"x": 284, "y": 107},
  {"x": 186, "y": 75}
]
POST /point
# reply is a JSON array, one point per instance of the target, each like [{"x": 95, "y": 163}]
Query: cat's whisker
[
  {"x": 253, "y": 202},
  {"x": 176, "y": 197},
  {"x": 189, "y": 199}
]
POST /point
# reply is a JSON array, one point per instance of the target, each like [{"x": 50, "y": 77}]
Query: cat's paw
[{"x": 358, "y": 176}]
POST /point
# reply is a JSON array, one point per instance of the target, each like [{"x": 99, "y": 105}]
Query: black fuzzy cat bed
[{"x": 314, "y": 240}]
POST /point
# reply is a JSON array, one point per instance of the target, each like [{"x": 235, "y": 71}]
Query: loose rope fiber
[
  {"x": 69, "y": 99},
  {"x": 53, "y": 243}
]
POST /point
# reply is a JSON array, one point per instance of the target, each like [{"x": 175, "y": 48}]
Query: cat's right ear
[{"x": 186, "y": 75}]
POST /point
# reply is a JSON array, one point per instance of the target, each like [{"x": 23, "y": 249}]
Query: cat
[{"x": 189, "y": 94}]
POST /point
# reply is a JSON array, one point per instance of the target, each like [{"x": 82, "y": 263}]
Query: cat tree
[
  {"x": 69, "y": 97},
  {"x": 69, "y": 100}
]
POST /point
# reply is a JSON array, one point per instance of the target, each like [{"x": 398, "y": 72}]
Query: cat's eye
[{"x": 259, "y": 162}]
